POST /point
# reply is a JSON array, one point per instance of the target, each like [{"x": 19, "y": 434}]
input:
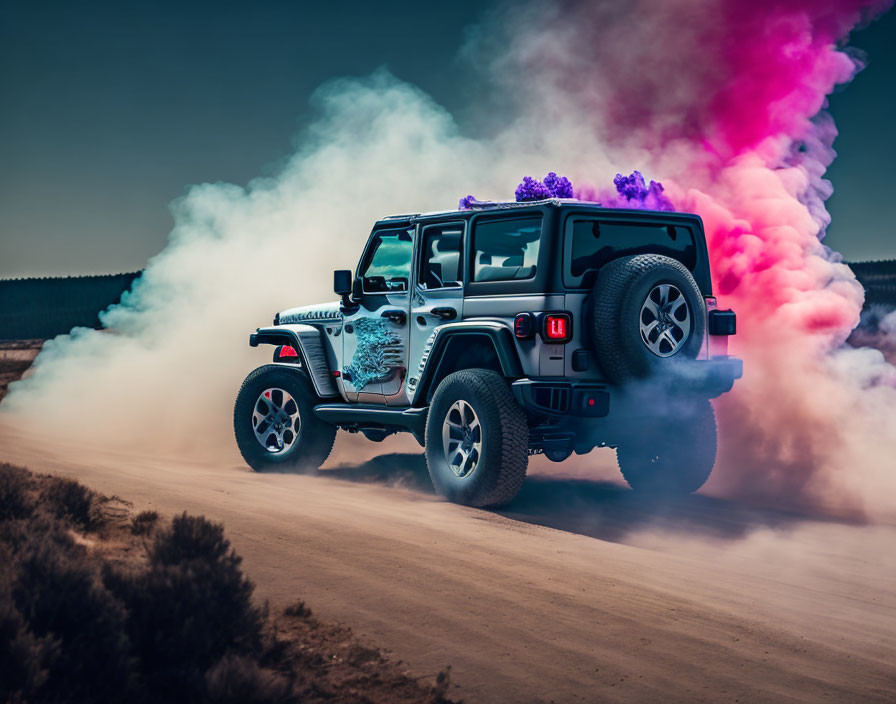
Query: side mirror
[
  {"x": 342, "y": 285},
  {"x": 342, "y": 282}
]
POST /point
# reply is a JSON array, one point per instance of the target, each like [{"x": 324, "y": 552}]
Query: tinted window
[
  {"x": 388, "y": 267},
  {"x": 589, "y": 244},
  {"x": 506, "y": 249},
  {"x": 441, "y": 258}
]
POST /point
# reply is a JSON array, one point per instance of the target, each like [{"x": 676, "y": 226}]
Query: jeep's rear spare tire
[
  {"x": 648, "y": 313},
  {"x": 673, "y": 452},
  {"x": 477, "y": 439},
  {"x": 274, "y": 421}
]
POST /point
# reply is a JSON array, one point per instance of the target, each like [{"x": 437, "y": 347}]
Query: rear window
[
  {"x": 506, "y": 249},
  {"x": 590, "y": 243}
]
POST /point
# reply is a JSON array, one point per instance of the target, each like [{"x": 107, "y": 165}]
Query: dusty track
[{"x": 578, "y": 593}]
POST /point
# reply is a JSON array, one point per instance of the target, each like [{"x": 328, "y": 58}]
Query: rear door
[{"x": 438, "y": 296}]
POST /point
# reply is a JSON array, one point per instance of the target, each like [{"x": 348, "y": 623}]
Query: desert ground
[{"x": 578, "y": 592}]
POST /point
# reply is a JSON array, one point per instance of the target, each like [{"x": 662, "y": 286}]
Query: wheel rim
[
  {"x": 665, "y": 320},
  {"x": 276, "y": 420},
  {"x": 462, "y": 439}
]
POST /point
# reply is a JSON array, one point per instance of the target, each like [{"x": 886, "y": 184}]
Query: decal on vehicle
[
  {"x": 306, "y": 316},
  {"x": 379, "y": 351}
]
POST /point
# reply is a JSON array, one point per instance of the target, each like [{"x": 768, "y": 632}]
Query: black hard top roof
[{"x": 511, "y": 206}]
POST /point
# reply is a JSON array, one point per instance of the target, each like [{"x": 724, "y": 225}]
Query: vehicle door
[
  {"x": 438, "y": 296},
  {"x": 375, "y": 334}
]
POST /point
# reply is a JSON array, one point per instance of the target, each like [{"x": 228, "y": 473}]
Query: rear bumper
[
  {"x": 562, "y": 398},
  {"x": 705, "y": 378}
]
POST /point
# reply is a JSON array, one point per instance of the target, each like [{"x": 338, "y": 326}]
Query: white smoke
[{"x": 164, "y": 375}]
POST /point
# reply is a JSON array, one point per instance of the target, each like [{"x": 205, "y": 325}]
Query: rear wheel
[
  {"x": 274, "y": 421},
  {"x": 648, "y": 314},
  {"x": 674, "y": 452},
  {"x": 477, "y": 439}
]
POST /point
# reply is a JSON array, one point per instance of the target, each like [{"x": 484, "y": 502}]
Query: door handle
[
  {"x": 399, "y": 317},
  {"x": 444, "y": 312}
]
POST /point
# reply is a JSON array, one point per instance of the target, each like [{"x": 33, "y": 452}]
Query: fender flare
[
  {"x": 497, "y": 334},
  {"x": 308, "y": 342}
]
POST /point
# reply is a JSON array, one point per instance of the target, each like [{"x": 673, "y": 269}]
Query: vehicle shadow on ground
[{"x": 597, "y": 509}]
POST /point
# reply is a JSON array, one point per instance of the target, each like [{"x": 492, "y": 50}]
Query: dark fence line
[
  {"x": 879, "y": 280},
  {"x": 874, "y": 271},
  {"x": 45, "y": 307}
]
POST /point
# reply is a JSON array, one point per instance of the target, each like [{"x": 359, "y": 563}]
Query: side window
[
  {"x": 506, "y": 249},
  {"x": 441, "y": 256},
  {"x": 388, "y": 264},
  {"x": 590, "y": 243}
]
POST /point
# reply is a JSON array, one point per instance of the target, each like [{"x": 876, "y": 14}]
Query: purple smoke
[
  {"x": 631, "y": 192},
  {"x": 559, "y": 186},
  {"x": 531, "y": 189},
  {"x": 466, "y": 203}
]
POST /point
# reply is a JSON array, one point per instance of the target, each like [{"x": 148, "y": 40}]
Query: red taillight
[
  {"x": 288, "y": 351},
  {"x": 557, "y": 327}
]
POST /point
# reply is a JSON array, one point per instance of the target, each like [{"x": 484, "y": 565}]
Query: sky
[{"x": 109, "y": 110}]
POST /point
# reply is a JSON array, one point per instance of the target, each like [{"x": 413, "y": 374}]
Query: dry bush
[
  {"x": 240, "y": 680},
  {"x": 23, "y": 656},
  {"x": 298, "y": 610},
  {"x": 15, "y": 493},
  {"x": 190, "y": 607},
  {"x": 439, "y": 689},
  {"x": 144, "y": 522},
  {"x": 69, "y": 628},
  {"x": 68, "y": 500},
  {"x": 192, "y": 538}
]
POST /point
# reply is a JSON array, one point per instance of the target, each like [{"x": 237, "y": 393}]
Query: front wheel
[
  {"x": 675, "y": 452},
  {"x": 477, "y": 439},
  {"x": 274, "y": 421}
]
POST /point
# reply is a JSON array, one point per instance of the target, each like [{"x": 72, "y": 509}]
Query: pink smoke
[{"x": 724, "y": 101}]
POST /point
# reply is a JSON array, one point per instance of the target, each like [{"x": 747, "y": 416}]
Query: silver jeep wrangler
[{"x": 503, "y": 331}]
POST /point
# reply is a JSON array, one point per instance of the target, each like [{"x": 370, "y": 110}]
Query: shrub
[
  {"x": 189, "y": 608},
  {"x": 298, "y": 610},
  {"x": 15, "y": 495},
  {"x": 192, "y": 538},
  {"x": 22, "y": 655},
  {"x": 439, "y": 689},
  {"x": 144, "y": 522},
  {"x": 76, "y": 625},
  {"x": 67, "y": 499},
  {"x": 239, "y": 680},
  {"x": 16, "y": 534}
]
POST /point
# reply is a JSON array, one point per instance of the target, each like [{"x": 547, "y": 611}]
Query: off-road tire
[
  {"x": 619, "y": 292},
  {"x": 315, "y": 438},
  {"x": 675, "y": 453},
  {"x": 501, "y": 469}
]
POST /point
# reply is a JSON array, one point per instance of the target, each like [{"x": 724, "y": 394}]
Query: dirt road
[{"x": 577, "y": 594}]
